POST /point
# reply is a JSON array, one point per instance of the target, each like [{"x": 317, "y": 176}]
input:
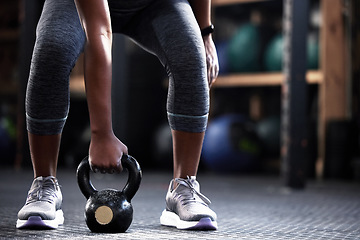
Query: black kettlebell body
[{"x": 109, "y": 210}]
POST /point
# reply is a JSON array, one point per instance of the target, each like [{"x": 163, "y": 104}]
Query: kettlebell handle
[
  {"x": 130, "y": 188},
  {"x": 135, "y": 176}
]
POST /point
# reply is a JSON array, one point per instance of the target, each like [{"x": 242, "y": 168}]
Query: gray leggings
[{"x": 166, "y": 28}]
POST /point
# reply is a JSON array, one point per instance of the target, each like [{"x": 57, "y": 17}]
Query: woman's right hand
[{"x": 105, "y": 153}]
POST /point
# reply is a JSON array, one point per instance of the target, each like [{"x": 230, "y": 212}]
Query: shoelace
[
  {"x": 44, "y": 191},
  {"x": 189, "y": 198}
]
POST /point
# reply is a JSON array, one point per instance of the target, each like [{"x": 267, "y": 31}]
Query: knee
[
  {"x": 62, "y": 47},
  {"x": 188, "y": 101}
]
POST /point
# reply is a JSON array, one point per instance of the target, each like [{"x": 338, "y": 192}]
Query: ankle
[{"x": 44, "y": 174}]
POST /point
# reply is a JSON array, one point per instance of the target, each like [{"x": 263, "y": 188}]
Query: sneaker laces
[
  {"x": 44, "y": 191},
  {"x": 190, "y": 196}
]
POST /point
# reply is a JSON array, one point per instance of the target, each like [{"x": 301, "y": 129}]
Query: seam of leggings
[
  {"x": 187, "y": 116},
  {"x": 45, "y": 120}
]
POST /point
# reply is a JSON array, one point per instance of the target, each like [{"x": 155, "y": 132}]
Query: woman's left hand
[{"x": 212, "y": 61}]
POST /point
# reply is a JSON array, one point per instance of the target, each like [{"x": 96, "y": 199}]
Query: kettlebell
[{"x": 109, "y": 210}]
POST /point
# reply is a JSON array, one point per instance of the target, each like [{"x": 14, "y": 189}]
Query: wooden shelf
[
  {"x": 258, "y": 79},
  {"x": 262, "y": 79},
  {"x": 228, "y": 2}
]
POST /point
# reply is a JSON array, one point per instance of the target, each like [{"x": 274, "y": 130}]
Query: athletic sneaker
[
  {"x": 42, "y": 209},
  {"x": 187, "y": 208}
]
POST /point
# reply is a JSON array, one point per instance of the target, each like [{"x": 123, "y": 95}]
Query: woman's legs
[
  {"x": 59, "y": 42},
  {"x": 170, "y": 31}
]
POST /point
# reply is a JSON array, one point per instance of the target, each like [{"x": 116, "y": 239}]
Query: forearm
[
  {"x": 95, "y": 19},
  {"x": 98, "y": 87},
  {"x": 202, "y": 12}
]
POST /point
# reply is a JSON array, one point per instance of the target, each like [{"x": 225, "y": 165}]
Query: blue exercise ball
[
  {"x": 268, "y": 131},
  {"x": 231, "y": 145},
  {"x": 7, "y": 139}
]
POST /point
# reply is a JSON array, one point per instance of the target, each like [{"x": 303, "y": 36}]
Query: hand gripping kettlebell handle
[{"x": 131, "y": 187}]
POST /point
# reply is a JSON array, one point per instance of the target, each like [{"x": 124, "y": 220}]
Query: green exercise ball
[
  {"x": 244, "y": 49},
  {"x": 313, "y": 51},
  {"x": 274, "y": 53}
]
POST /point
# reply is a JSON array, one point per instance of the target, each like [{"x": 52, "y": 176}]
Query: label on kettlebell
[{"x": 103, "y": 215}]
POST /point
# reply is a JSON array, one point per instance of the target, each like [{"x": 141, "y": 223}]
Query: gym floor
[{"x": 248, "y": 207}]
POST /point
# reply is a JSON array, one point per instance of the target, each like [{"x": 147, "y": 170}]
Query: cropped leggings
[{"x": 165, "y": 28}]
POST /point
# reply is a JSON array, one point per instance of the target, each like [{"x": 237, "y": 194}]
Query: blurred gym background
[{"x": 245, "y": 129}]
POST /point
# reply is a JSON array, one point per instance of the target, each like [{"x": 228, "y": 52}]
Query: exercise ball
[
  {"x": 244, "y": 49},
  {"x": 231, "y": 145},
  {"x": 273, "y": 57},
  {"x": 274, "y": 54},
  {"x": 268, "y": 131},
  {"x": 7, "y": 140},
  {"x": 313, "y": 51}
]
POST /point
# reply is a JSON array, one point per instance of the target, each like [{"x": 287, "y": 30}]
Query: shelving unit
[
  {"x": 9, "y": 77},
  {"x": 262, "y": 79},
  {"x": 330, "y": 78},
  {"x": 9, "y": 37}
]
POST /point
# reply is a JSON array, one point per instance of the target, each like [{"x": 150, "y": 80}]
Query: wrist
[{"x": 101, "y": 132}]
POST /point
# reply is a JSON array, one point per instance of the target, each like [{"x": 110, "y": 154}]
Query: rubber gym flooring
[{"x": 248, "y": 207}]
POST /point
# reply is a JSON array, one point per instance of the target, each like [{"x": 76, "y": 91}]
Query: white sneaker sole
[
  {"x": 35, "y": 222},
  {"x": 171, "y": 219}
]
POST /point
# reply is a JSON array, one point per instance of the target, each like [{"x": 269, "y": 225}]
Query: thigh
[
  {"x": 59, "y": 27},
  {"x": 168, "y": 29}
]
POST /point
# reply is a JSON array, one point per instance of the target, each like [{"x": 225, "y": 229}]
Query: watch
[{"x": 206, "y": 31}]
